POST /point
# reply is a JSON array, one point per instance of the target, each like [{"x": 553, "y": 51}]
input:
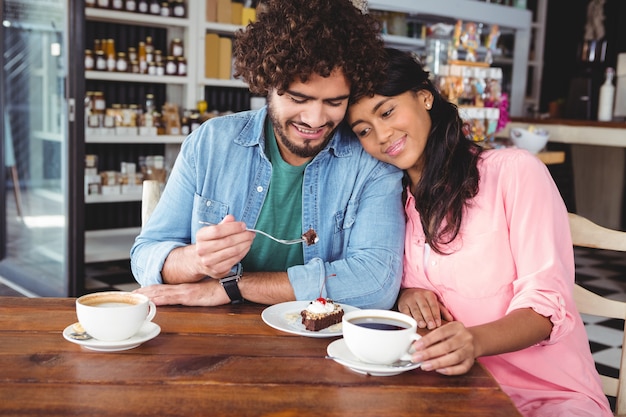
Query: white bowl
[{"x": 531, "y": 141}]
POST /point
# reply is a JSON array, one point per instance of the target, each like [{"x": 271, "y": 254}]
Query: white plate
[
  {"x": 342, "y": 355},
  {"x": 147, "y": 332},
  {"x": 286, "y": 317}
]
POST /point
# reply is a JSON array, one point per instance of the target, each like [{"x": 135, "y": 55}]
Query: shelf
[
  {"x": 223, "y": 28},
  {"x": 113, "y": 16},
  {"x": 216, "y": 82},
  {"x": 135, "y": 139},
  {"x": 508, "y": 18},
  {"x": 112, "y": 198},
  {"x": 129, "y": 77},
  {"x": 109, "y": 245}
]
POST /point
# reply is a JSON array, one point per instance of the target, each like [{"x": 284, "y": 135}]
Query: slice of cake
[
  {"x": 321, "y": 313},
  {"x": 310, "y": 237}
]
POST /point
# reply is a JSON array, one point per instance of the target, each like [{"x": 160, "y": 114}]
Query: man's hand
[
  {"x": 219, "y": 247},
  {"x": 205, "y": 293}
]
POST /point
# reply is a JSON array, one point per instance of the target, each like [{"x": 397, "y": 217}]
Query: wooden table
[{"x": 217, "y": 362}]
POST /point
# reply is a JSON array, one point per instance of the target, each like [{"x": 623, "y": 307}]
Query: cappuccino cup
[
  {"x": 114, "y": 315},
  {"x": 379, "y": 337}
]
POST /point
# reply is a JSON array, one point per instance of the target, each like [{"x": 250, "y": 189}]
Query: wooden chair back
[
  {"x": 150, "y": 195},
  {"x": 588, "y": 234}
]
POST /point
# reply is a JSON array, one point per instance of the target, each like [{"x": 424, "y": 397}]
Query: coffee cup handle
[
  {"x": 408, "y": 356},
  {"x": 152, "y": 311}
]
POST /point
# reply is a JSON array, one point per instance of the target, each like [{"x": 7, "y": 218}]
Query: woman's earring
[{"x": 428, "y": 106}]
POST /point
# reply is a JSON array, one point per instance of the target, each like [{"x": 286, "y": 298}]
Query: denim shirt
[{"x": 350, "y": 199}]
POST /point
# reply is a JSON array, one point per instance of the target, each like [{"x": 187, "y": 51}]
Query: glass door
[{"x": 41, "y": 246}]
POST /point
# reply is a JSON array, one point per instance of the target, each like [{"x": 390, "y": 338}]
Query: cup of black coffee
[{"x": 379, "y": 336}]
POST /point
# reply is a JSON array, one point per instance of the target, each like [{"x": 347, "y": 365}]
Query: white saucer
[
  {"x": 342, "y": 355},
  {"x": 147, "y": 332},
  {"x": 286, "y": 317}
]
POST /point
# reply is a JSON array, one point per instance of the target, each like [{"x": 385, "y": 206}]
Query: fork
[{"x": 283, "y": 241}]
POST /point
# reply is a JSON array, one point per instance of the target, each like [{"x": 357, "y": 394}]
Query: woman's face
[{"x": 394, "y": 129}]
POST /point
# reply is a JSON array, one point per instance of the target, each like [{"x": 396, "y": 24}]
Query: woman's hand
[
  {"x": 449, "y": 349},
  {"x": 424, "y": 307}
]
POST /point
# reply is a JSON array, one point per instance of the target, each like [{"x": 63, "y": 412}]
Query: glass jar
[
  {"x": 132, "y": 54},
  {"x": 143, "y": 6},
  {"x": 182, "y": 66},
  {"x": 90, "y": 62},
  {"x": 176, "y": 47},
  {"x": 171, "y": 66},
  {"x": 122, "y": 62},
  {"x": 101, "y": 61},
  {"x": 134, "y": 67},
  {"x": 179, "y": 9},
  {"x": 99, "y": 102},
  {"x": 149, "y": 49},
  {"x": 141, "y": 57},
  {"x": 104, "y": 4},
  {"x": 117, "y": 4},
  {"x": 131, "y": 6},
  {"x": 150, "y": 105},
  {"x": 155, "y": 7},
  {"x": 90, "y": 3},
  {"x": 110, "y": 54},
  {"x": 165, "y": 9},
  {"x": 160, "y": 69}
]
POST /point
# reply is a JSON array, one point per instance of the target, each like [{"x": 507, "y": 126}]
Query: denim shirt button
[
  {"x": 259, "y": 189},
  {"x": 208, "y": 203}
]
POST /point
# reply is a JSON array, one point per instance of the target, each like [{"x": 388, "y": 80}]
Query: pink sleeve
[{"x": 540, "y": 243}]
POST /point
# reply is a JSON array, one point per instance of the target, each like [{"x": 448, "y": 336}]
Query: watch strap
[{"x": 231, "y": 286}]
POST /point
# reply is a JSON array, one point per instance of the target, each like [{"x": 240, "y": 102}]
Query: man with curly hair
[{"x": 286, "y": 168}]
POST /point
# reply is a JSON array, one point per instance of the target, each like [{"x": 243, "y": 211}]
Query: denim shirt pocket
[
  {"x": 208, "y": 210},
  {"x": 344, "y": 220}
]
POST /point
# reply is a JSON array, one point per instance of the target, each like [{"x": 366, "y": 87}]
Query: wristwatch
[{"x": 230, "y": 284}]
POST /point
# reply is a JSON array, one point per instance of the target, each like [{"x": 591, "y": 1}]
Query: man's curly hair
[{"x": 293, "y": 39}]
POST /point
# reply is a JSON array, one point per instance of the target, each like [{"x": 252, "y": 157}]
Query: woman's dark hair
[
  {"x": 450, "y": 178},
  {"x": 294, "y": 39}
]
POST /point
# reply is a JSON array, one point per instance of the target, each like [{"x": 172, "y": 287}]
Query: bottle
[
  {"x": 130, "y": 6},
  {"x": 111, "y": 55},
  {"x": 607, "y": 95},
  {"x": 155, "y": 7},
  {"x": 149, "y": 49},
  {"x": 141, "y": 57},
  {"x": 143, "y": 6},
  {"x": 176, "y": 47},
  {"x": 90, "y": 62},
  {"x": 122, "y": 62},
  {"x": 179, "y": 8}
]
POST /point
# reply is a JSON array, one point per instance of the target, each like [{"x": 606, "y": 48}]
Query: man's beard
[{"x": 306, "y": 151}]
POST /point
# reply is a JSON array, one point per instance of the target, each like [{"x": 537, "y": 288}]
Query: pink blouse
[{"x": 514, "y": 251}]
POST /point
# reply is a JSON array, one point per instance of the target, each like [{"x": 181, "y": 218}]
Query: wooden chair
[
  {"x": 150, "y": 195},
  {"x": 587, "y": 234}
]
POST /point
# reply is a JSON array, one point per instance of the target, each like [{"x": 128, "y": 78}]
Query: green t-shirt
[{"x": 281, "y": 214}]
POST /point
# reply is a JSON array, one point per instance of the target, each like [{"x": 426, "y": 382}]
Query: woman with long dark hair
[{"x": 489, "y": 264}]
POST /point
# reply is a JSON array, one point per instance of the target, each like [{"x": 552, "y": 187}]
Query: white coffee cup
[
  {"x": 114, "y": 315},
  {"x": 379, "y": 336}
]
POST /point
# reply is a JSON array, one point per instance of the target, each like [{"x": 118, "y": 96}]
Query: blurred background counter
[{"x": 596, "y": 153}]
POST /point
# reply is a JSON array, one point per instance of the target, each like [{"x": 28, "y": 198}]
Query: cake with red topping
[{"x": 320, "y": 314}]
